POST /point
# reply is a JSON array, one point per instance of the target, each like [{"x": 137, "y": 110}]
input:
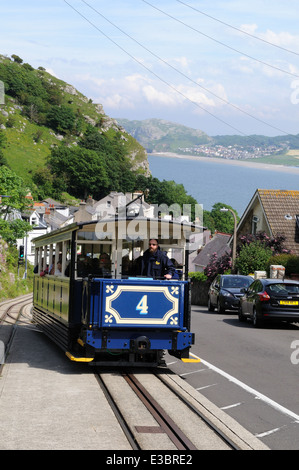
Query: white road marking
[
  {"x": 230, "y": 406},
  {"x": 267, "y": 433},
  {"x": 206, "y": 386},
  {"x": 257, "y": 394},
  {"x": 192, "y": 372}
]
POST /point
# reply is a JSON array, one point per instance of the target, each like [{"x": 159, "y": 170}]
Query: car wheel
[
  {"x": 219, "y": 308},
  {"x": 257, "y": 322},
  {"x": 210, "y": 306}
]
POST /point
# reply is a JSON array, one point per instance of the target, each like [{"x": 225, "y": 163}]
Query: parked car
[
  {"x": 270, "y": 299},
  {"x": 225, "y": 291}
]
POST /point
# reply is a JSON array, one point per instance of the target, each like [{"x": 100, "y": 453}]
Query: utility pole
[{"x": 226, "y": 209}]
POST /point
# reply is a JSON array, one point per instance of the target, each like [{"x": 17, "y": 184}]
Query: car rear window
[{"x": 283, "y": 288}]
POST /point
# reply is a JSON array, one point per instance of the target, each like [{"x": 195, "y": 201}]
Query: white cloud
[
  {"x": 51, "y": 72},
  {"x": 155, "y": 96},
  {"x": 282, "y": 39}
]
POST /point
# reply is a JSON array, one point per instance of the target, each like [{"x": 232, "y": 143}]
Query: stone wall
[{"x": 199, "y": 292}]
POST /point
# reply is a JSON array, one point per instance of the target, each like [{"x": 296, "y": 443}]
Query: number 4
[{"x": 142, "y": 306}]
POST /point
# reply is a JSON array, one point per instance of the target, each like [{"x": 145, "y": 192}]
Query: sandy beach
[{"x": 224, "y": 161}]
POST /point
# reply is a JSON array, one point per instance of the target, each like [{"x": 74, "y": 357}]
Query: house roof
[
  {"x": 280, "y": 208},
  {"x": 218, "y": 244}
]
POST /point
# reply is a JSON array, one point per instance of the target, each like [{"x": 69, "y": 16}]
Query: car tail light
[{"x": 264, "y": 296}]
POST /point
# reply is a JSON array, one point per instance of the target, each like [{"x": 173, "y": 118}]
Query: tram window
[
  {"x": 93, "y": 259},
  {"x": 131, "y": 251},
  {"x": 176, "y": 256}
]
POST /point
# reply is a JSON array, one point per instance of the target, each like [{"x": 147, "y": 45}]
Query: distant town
[{"x": 234, "y": 152}]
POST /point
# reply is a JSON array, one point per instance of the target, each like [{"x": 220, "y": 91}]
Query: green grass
[
  {"x": 287, "y": 159},
  {"x": 23, "y": 153},
  {"x": 12, "y": 283}
]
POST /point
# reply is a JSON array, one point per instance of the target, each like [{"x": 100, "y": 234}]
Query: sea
[{"x": 210, "y": 182}]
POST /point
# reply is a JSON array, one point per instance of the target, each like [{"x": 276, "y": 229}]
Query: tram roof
[{"x": 64, "y": 232}]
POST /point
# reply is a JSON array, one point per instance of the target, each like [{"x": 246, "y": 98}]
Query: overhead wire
[
  {"x": 152, "y": 72},
  {"x": 238, "y": 29},
  {"x": 220, "y": 42},
  {"x": 182, "y": 73},
  {"x": 162, "y": 79}
]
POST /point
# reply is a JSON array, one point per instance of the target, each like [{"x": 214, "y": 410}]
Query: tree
[
  {"x": 166, "y": 193},
  {"x": 79, "y": 172},
  {"x": 224, "y": 221},
  {"x": 208, "y": 221},
  {"x": 61, "y": 118},
  {"x": 13, "y": 186},
  {"x": 43, "y": 179},
  {"x": 114, "y": 153},
  {"x": 17, "y": 59},
  {"x": 11, "y": 231}
]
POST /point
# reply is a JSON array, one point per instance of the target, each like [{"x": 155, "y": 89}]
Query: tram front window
[
  {"x": 131, "y": 251},
  {"x": 93, "y": 259}
]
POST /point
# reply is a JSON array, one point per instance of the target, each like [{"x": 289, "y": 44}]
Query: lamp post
[{"x": 226, "y": 209}]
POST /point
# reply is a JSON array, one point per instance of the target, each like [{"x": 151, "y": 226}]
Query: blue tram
[{"x": 90, "y": 299}]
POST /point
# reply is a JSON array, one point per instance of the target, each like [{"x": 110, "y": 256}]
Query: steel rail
[
  {"x": 11, "y": 304},
  {"x": 204, "y": 418},
  {"x": 22, "y": 303},
  {"x": 180, "y": 440},
  {"x": 121, "y": 420}
]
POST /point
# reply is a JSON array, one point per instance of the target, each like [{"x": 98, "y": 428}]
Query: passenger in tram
[
  {"x": 177, "y": 269},
  {"x": 125, "y": 266},
  {"x": 105, "y": 265},
  {"x": 52, "y": 266},
  {"x": 58, "y": 269},
  {"x": 155, "y": 262},
  {"x": 83, "y": 267},
  {"x": 95, "y": 266},
  {"x": 45, "y": 271},
  {"x": 67, "y": 269}
]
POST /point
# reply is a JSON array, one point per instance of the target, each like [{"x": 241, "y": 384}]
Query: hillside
[
  {"x": 41, "y": 112},
  {"x": 12, "y": 283},
  {"x": 157, "y": 135}
]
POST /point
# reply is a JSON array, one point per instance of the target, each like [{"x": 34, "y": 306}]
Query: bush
[
  {"x": 198, "y": 276},
  {"x": 253, "y": 257},
  {"x": 61, "y": 118},
  {"x": 217, "y": 265}
]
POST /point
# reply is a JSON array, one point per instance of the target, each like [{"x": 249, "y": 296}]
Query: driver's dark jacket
[{"x": 156, "y": 265}]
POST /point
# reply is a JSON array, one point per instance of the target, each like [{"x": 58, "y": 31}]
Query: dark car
[
  {"x": 225, "y": 291},
  {"x": 270, "y": 299}
]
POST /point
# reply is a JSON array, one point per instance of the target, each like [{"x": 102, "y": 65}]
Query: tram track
[
  {"x": 155, "y": 409},
  {"x": 166, "y": 423},
  {"x": 11, "y": 312},
  {"x": 139, "y": 399}
]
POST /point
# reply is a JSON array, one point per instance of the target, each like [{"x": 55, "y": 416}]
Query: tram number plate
[{"x": 142, "y": 306}]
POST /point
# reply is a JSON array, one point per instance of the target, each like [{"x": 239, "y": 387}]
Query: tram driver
[{"x": 155, "y": 262}]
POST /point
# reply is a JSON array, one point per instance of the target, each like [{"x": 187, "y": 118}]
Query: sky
[{"x": 224, "y": 67}]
